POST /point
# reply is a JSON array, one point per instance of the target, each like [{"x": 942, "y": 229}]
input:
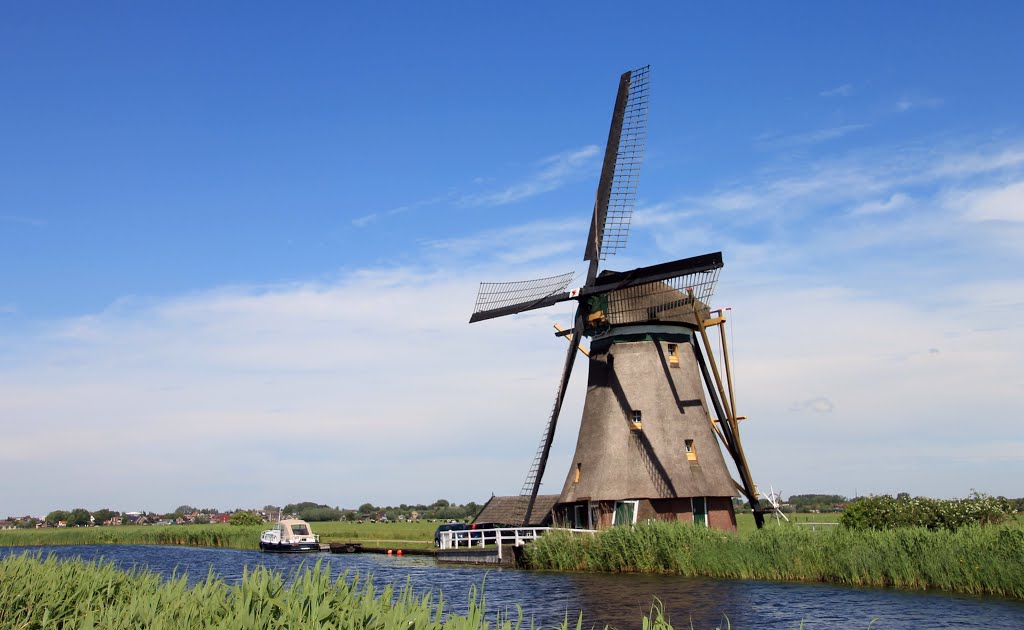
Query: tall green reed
[
  {"x": 38, "y": 593},
  {"x": 975, "y": 560}
]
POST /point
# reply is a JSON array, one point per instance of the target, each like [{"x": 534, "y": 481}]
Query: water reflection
[{"x": 616, "y": 600}]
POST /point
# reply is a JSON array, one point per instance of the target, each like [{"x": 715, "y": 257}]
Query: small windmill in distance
[{"x": 647, "y": 445}]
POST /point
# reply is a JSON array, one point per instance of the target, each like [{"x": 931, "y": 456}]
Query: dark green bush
[{"x": 885, "y": 512}]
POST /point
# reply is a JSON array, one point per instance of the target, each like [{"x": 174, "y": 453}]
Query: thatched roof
[{"x": 510, "y": 510}]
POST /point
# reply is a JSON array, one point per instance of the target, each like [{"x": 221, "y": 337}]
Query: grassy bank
[
  {"x": 236, "y": 537},
  {"x": 976, "y": 560},
  {"x": 37, "y": 594}
]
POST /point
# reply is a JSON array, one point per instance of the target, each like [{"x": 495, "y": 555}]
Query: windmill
[{"x": 647, "y": 443}]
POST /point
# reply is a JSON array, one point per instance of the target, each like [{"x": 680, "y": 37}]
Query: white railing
[{"x": 480, "y": 538}]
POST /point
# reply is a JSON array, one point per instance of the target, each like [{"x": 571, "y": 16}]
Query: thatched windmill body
[{"x": 648, "y": 446}]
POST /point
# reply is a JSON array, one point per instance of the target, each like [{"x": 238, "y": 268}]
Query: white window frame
[{"x": 636, "y": 508}]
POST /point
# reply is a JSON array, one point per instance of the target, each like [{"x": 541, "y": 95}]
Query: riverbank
[
  {"x": 974, "y": 560},
  {"x": 43, "y": 593}
]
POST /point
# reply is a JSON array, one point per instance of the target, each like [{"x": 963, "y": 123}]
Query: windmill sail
[
  {"x": 496, "y": 299},
  {"x": 620, "y": 173}
]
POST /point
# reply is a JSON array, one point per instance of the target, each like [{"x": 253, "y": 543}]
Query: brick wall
[{"x": 721, "y": 514}]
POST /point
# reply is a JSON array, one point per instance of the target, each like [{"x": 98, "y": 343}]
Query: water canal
[{"x": 617, "y": 600}]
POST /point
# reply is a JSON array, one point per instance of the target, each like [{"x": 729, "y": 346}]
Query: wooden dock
[
  {"x": 355, "y": 547},
  {"x": 505, "y": 556}
]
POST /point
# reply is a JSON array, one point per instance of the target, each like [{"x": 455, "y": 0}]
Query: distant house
[
  {"x": 222, "y": 518},
  {"x": 414, "y": 516},
  {"x": 7, "y": 525},
  {"x": 114, "y": 520}
]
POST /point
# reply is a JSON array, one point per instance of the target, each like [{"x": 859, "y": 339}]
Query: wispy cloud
[
  {"x": 22, "y": 220},
  {"x": 815, "y": 136},
  {"x": 8, "y": 309},
  {"x": 842, "y": 90},
  {"x": 415, "y": 205},
  {"x": 518, "y": 243},
  {"x": 549, "y": 174},
  {"x": 907, "y": 103},
  {"x": 894, "y": 202},
  {"x": 552, "y": 173}
]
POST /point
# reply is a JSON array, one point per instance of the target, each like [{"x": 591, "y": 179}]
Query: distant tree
[
  {"x": 27, "y": 523},
  {"x": 320, "y": 514},
  {"x": 242, "y": 517},
  {"x": 440, "y": 503},
  {"x": 56, "y": 516},
  {"x": 271, "y": 508},
  {"x": 78, "y": 517},
  {"x": 184, "y": 509},
  {"x": 295, "y": 508},
  {"x": 367, "y": 508},
  {"x": 104, "y": 515},
  {"x": 903, "y": 496},
  {"x": 202, "y": 519}
]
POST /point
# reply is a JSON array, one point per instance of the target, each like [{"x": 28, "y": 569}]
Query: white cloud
[
  {"x": 999, "y": 203},
  {"x": 226, "y": 390}
]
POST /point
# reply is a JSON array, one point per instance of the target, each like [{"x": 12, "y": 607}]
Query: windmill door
[{"x": 700, "y": 511}]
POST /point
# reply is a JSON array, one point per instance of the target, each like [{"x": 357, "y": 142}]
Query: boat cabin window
[{"x": 300, "y": 530}]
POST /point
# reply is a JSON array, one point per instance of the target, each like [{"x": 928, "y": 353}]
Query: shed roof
[{"x": 510, "y": 510}]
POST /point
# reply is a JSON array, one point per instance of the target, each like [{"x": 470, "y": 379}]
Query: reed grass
[
  {"x": 973, "y": 560},
  {"x": 231, "y": 536},
  {"x": 41, "y": 593}
]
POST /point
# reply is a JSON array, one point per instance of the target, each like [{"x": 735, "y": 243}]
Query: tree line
[{"x": 441, "y": 509}]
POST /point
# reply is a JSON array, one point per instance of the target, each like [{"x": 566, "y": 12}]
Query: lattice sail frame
[
  {"x": 665, "y": 300},
  {"x": 628, "y": 159},
  {"x": 495, "y": 295}
]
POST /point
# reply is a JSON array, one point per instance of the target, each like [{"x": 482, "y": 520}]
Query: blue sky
[{"x": 239, "y": 245}]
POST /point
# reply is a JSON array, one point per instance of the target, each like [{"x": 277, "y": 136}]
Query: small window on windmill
[
  {"x": 673, "y": 355},
  {"x": 636, "y": 420},
  {"x": 691, "y": 451},
  {"x": 579, "y": 468}
]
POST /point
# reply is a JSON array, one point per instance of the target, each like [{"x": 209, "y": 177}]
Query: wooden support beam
[{"x": 568, "y": 335}]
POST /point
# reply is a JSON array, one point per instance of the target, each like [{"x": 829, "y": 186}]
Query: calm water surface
[{"x": 617, "y": 600}]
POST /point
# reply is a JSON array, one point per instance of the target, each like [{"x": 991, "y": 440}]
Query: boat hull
[{"x": 304, "y": 547}]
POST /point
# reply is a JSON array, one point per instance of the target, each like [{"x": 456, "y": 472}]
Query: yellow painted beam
[{"x": 585, "y": 352}]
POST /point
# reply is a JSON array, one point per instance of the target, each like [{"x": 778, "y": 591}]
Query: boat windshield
[{"x": 300, "y": 530}]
